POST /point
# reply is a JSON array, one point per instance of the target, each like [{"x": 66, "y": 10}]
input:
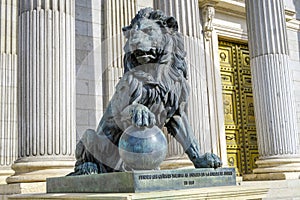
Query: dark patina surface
[{"x": 152, "y": 91}]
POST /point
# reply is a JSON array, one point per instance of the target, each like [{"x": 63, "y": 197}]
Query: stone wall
[
  {"x": 293, "y": 33},
  {"x": 88, "y": 30},
  {"x": 294, "y": 51}
]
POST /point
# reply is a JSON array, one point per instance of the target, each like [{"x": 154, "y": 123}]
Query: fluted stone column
[
  {"x": 188, "y": 16},
  {"x": 46, "y": 90},
  {"x": 117, "y": 14},
  {"x": 8, "y": 87},
  {"x": 273, "y": 92}
]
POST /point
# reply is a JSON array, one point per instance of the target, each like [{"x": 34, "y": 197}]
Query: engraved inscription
[
  {"x": 183, "y": 175},
  {"x": 188, "y": 182}
]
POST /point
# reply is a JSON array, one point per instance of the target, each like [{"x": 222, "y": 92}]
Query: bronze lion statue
[{"x": 152, "y": 91}]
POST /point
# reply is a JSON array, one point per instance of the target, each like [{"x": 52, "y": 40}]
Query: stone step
[{"x": 285, "y": 189}]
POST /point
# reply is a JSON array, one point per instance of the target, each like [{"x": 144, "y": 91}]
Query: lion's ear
[
  {"x": 126, "y": 30},
  {"x": 172, "y": 23}
]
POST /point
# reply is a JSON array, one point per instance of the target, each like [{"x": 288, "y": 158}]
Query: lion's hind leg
[{"x": 95, "y": 154}]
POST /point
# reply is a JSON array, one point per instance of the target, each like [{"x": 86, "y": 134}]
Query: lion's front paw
[
  {"x": 142, "y": 116},
  {"x": 85, "y": 169},
  {"x": 208, "y": 160}
]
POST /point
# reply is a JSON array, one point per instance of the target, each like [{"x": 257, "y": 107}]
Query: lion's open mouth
[{"x": 143, "y": 56}]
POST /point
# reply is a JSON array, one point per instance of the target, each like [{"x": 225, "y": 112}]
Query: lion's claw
[
  {"x": 86, "y": 168},
  {"x": 142, "y": 116},
  {"x": 208, "y": 160}
]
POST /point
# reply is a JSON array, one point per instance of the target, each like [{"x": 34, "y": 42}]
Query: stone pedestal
[
  {"x": 46, "y": 90},
  {"x": 8, "y": 87},
  {"x": 273, "y": 92},
  {"x": 143, "y": 181}
]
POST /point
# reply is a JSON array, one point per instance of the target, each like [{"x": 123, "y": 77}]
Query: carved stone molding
[{"x": 208, "y": 13}]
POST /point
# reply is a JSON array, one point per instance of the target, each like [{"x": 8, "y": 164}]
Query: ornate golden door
[{"x": 238, "y": 106}]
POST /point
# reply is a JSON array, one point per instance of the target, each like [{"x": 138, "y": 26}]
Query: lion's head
[{"x": 153, "y": 37}]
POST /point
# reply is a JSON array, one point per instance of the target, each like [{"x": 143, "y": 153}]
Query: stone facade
[
  {"x": 87, "y": 45},
  {"x": 89, "y": 23},
  {"x": 294, "y": 55}
]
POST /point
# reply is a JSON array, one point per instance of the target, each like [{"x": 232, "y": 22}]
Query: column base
[
  {"x": 35, "y": 170},
  {"x": 4, "y": 173},
  {"x": 23, "y": 188},
  {"x": 271, "y": 176},
  {"x": 275, "y": 169},
  {"x": 177, "y": 162},
  {"x": 6, "y": 190}
]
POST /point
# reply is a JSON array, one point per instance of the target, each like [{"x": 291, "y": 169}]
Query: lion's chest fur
[{"x": 157, "y": 87}]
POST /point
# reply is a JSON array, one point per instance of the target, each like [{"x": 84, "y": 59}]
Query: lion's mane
[
  {"x": 166, "y": 92},
  {"x": 173, "y": 46}
]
